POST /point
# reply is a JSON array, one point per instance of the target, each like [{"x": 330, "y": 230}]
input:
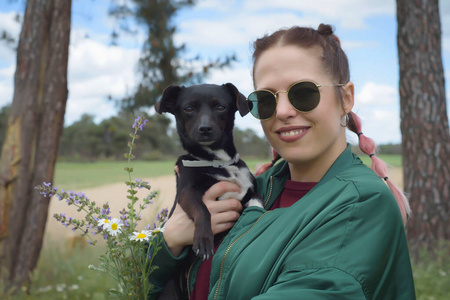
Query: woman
[{"x": 332, "y": 229}]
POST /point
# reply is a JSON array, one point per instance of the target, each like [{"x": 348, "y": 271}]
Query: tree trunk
[
  {"x": 34, "y": 128},
  {"x": 424, "y": 122}
]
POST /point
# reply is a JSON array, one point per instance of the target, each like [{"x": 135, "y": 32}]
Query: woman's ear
[{"x": 348, "y": 97}]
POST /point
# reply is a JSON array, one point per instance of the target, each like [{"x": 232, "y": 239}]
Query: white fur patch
[
  {"x": 241, "y": 177},
  {"x": 254, "y": 202}
]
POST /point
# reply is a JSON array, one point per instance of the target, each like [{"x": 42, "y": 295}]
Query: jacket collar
[{"x": 279, "y": 174}]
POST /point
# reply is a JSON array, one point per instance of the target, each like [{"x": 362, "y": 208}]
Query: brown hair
[
  {"x": 335, "y": 63},
  {"x": 334, "y": 60}
]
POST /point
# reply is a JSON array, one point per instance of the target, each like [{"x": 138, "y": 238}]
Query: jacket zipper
[
  {"x": 270, "y": 191},
  {"x": 227, "y": 251},
  {"x": 231, "y": 245},
  {"x": 189, "y": 277}
]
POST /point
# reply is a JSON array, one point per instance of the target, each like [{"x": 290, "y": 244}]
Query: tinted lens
[
  {"x": 262, "y": 104},
  {"x": 304, "y": 96}
]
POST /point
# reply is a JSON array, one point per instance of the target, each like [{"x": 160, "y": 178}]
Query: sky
[{"x": 215, "y": 28}]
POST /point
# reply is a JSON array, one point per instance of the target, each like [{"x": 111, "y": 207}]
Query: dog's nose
[{"x": 205, "y": 129}]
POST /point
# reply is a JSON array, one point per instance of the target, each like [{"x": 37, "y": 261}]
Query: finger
[
  {"x": 218, "y": 228},
  {"x": 225, "y": 217},
  {"x": 223, "y": 206},
  {"x": 220, "y": 188}
]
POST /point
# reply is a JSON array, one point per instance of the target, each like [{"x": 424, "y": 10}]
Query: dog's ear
[
  {"x": 241, "y": 101},
  {"x": 168, "y": 99}
]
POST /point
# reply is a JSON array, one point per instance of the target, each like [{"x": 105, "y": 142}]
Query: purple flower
[
  {"x": 47, "y": 184},
  {"x": 139, "y": 123},
  {"x": 135, "y": 125}
]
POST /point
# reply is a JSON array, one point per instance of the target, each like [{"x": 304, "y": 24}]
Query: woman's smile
[{"x": 291, "y": 134}]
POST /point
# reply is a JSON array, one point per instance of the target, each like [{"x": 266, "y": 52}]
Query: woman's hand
[{"x": 179, "y": 229}]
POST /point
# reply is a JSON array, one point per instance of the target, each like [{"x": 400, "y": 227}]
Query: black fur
[{"x": 205, "y": 120}]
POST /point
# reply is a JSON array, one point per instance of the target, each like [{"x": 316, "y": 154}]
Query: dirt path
[{"x": 116, "y": 196}]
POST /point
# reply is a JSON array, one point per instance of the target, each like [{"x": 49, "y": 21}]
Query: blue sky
[{"x": 213, "y": 28}]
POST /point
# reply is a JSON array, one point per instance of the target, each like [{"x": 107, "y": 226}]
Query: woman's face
[{"x": 308, "y": 141}]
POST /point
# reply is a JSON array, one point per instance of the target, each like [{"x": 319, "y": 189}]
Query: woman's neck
[{"x": 313, "y": 171}]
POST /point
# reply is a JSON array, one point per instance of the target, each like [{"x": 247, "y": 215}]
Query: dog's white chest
[{"x": 243, "y": 178}]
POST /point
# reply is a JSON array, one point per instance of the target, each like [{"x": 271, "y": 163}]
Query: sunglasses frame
[{"x": 275, "y": 94}]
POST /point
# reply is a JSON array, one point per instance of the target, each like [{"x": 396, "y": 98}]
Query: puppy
[{"x": 205, "y": 119}]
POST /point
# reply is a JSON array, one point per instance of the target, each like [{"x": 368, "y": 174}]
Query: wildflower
[
  {"x": 139, "y": 123},
  {"x": 46, "y": 184},
  {"x": 104, "y": 222},
  {"x": 141, "y": 236},
  {"x": 60, "y": 287},
  {"x": 157, "y": 230},
  {"x": 115, "y": 226}
]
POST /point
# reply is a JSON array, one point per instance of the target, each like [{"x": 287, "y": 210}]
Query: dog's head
[{"x": 204, "y": 113}]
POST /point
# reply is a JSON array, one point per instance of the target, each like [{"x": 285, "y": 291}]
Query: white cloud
[
  {"x": 345, "y": 13},
  {"x": 377, "y": 94},
  {"x": 95, "y": 72},
  {"x": 378, "y": 107},
  {"x": 6, "y": 85},
  {"x": 11, "y": 26}
]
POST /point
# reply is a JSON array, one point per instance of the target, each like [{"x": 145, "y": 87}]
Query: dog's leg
[{"x": 191, "y": 202}]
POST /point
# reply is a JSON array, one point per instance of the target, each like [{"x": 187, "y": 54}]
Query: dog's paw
[{"x": 204, "y": 247}]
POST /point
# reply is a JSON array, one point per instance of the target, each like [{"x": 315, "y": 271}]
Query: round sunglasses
[{"x": 304, "y": 96}]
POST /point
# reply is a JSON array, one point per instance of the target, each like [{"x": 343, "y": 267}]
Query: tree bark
[
  {"x": 34, "y": 128},
  {"x": 424, "y": 122}
]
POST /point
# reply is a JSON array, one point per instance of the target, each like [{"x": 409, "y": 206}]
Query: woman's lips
[{"x": 291, "y": 134}]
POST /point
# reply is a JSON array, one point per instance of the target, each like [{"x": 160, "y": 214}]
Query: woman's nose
[{"x": 284, "y": 109}]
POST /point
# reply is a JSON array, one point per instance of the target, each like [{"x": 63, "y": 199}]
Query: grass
[
  {"x": 431, "y": 273},
  {"x": 77, "y": 176},
  {"x": 392, "y": 160},
  {"x": 62, "y": 273},
  {"x": 86, "y": 175}
]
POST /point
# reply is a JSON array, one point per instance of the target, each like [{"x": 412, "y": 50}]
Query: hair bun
[{"x": 325, "y": 29}]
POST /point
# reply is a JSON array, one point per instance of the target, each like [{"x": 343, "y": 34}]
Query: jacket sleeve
[
  {"x": 356, "y": 252},
  {"x": 167, "y": 265},
  {"x": 312, "y": 284}
]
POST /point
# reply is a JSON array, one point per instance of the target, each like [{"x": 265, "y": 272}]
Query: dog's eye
[
  {"x": 188, "y": 109},
  {"x": 220, "y": 108}
]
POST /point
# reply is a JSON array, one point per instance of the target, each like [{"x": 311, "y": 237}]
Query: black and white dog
[{"x": 205, "y": 119}]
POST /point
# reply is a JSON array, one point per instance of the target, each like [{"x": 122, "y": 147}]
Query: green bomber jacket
[{"x": 343, "y": 240}]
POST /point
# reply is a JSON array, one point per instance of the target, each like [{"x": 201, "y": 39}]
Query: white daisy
[
  {"x": 105, "y": 223},
  {"x": 159, "y": 229},
  {"x": 115, "y": 225},
  {"x": 144, "y": 235}
]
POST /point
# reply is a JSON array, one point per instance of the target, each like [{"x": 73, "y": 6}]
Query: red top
[{"x": 292, "y": 192}]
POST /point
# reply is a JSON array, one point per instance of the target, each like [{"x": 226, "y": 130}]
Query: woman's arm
[{"x": 179, "y": 231}]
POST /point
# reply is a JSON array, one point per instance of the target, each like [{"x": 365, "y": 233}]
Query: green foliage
[
  {"x": 129, "y": 254},
  {"x": 62, "y": 273},
  {"x": 85, "y": 140},
  {"x": 431, "y": 271},
  {"x": 249, "y": 144}
]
